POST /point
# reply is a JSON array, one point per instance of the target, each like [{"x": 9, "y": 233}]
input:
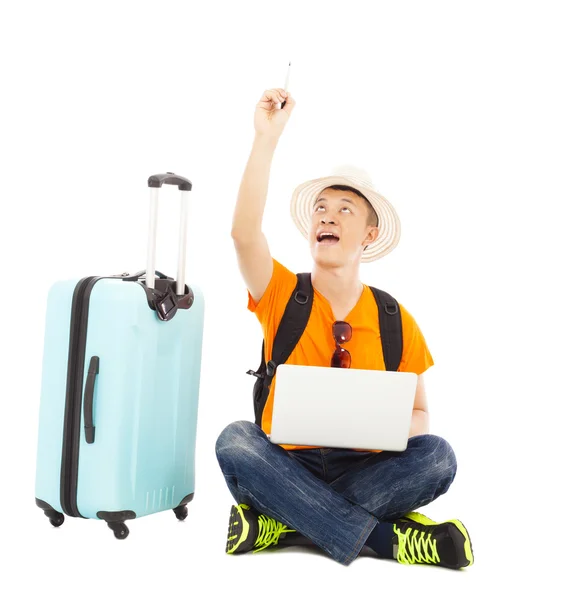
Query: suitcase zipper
[{"x": 73, "y": 395}]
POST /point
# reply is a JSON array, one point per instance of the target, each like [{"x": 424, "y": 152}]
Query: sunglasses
[{"x": 342, "y": 332}]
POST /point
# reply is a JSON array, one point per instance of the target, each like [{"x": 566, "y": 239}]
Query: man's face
[{"x": 344, "y": 216}]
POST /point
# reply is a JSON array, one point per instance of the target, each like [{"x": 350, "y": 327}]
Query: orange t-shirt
[{"x": 317, "y": 344}]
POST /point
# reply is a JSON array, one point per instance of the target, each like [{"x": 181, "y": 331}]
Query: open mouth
[{"x": 327, "y": 239}]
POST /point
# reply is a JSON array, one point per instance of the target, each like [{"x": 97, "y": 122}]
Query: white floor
[
  {"x": 166, "y": 558},
  {"x": 519, "y": 501}
]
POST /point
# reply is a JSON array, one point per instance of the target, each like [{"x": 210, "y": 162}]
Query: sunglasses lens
[
  {"x": 341, "y": 331},
  {"x": 341, "y": 359}
]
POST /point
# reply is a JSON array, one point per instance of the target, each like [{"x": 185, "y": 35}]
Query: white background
[{"x": 470, "y": 117}]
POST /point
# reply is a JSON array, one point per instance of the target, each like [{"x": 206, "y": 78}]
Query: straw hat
[{"x": 304, "y": 195}]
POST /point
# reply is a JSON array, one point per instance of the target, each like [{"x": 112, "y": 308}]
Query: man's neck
[{"x": 338, "y": 284}]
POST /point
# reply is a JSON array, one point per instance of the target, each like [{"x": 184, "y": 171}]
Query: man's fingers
[
  {"x": 276, "y": 96},
  {"x": 280, "y": 93},
  {"x": 289, "y": 104}
]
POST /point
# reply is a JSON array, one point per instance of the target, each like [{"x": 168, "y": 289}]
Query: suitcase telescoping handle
[{"x": 185, "y": 186}]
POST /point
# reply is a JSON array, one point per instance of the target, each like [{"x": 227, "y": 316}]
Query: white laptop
[{"x": 342, "y": 408}]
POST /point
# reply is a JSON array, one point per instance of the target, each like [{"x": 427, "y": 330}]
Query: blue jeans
[{"x": 334, "y": 497}]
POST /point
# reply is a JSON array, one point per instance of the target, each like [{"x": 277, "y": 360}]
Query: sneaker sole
[
  {"x": 424, "y": 520},
  {"x": 238, "y": 529}
]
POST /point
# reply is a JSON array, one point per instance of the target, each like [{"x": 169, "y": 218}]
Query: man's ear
[{"x": 372, "y": 235}]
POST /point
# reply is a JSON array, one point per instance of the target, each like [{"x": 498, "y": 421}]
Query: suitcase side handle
[
  {"x": 155, "y": 182},
  {"x": 89, "y": 428}
]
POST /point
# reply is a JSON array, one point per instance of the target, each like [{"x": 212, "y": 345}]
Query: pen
[{"x": 286, "y": 82}]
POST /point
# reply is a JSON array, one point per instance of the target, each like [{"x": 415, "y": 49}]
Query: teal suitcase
[{"x": 120, "y": 390}]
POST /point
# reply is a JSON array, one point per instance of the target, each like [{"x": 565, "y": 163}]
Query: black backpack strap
[
  {"x": 290, "y": 330},
  {"x": 293, "y": 323},
  {"x": 390, "y": 326}
]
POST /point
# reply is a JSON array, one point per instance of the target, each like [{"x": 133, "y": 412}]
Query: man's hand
[
  {"x": 420, "y": 418},
  {"x": 270, "y": 120}
]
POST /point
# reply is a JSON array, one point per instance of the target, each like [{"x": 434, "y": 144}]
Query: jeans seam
[{"x": 356, "y": 550}]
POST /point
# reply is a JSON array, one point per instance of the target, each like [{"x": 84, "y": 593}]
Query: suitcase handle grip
[
  {"x": 138, "y": 275},
  {"x": 185, "y": 185},
  {"x": 157, "y": 181},
  {"x": 89, "y": 428}
]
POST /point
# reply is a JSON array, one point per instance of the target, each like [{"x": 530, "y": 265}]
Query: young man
[{"x": 339, "y": 500}]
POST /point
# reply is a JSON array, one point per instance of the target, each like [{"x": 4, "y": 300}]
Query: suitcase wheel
[
  {"x": 55, "y": 517},
  {"x": 181, "y": 512},
  {"x": 57, "y": 520},
  {"x": 120, "y": 530}
]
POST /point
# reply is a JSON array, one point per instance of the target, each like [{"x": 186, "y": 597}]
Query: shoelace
[
  {"x": 269, "y": 532},
  {"x": 415, "y": 547}
]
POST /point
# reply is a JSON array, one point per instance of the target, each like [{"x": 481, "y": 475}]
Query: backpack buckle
[
  {"x": 301, "y": 297},
  {"x": 391, "y": 309},
  {"x": 257, "y": 375},
  {"x": 271, "y": 366}
]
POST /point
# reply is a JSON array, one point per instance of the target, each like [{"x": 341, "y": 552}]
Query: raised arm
[{"x": 254, "y": 258}]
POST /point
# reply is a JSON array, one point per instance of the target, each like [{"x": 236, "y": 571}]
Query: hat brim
[{"x": 303, "y": 198}]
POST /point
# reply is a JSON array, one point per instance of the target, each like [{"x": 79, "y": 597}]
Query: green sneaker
[
  {"x": 248, "y": 530},
  {"x": 422, "y": 540}
]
